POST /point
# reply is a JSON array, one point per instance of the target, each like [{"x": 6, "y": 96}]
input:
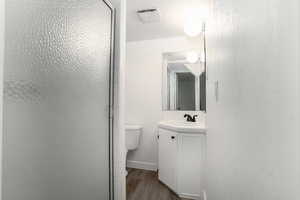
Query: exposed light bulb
[
  {"x": 193, "y": 21},
  {"x": 202, "y": 57},
  {"x": 192, "y": 29},
  {"x": 192, "y": 57}
]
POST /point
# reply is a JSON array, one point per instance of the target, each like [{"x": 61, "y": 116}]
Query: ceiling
[{"x": 172, "y": 15}]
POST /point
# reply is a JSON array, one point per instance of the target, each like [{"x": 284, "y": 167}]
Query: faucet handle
[{"x": 194, "y": 118}]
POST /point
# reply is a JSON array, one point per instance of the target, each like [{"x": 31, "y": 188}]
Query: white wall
[
  {"x": 119, "y": 131},
  {"x": 143, "y": 93},
  {"x": 2, "y": 24},
  {"x": 254, "y": 136}
]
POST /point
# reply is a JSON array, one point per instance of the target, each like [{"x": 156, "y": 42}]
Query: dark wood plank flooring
[{"x": 144, "y": 185}]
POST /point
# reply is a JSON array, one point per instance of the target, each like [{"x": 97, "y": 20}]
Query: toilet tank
[{"x": 133, "y": 133}]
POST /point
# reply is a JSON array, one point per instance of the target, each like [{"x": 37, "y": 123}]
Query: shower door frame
[{"x": 111, "y": 99}]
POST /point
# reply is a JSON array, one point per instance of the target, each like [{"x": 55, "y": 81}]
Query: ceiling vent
[{"x": 149, "y": 15}]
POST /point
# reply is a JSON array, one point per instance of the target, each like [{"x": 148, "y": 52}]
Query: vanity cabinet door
[
  {"x": 191, "y": 152},
  {"x": 167, "y": 145}
]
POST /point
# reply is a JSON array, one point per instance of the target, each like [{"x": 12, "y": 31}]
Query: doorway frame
[{"x": 111, "y": 98}]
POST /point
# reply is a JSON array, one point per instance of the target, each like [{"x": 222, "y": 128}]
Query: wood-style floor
[{"x": 144, "y": 185}]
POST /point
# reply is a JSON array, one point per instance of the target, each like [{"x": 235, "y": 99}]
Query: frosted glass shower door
[{"x": 57, "y": 91}]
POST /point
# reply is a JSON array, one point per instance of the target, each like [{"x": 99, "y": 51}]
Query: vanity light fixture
[{"x": 192, "y": 57}]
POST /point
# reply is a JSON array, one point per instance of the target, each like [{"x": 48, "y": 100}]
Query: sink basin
[{"x": 183, "y": 127}]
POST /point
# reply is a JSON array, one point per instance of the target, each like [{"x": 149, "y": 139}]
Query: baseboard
[
  {"x": 204, "y": 195},
  {"x": 189, "y": 196},
  {"x": 194, "y": 196},
  {"x": 141, "y": 165}
]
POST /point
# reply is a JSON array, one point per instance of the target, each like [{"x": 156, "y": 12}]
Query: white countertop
[{"x": 183, "y": 127}]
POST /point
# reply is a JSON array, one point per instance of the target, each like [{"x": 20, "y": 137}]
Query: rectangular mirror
[{"x": 184, "y": 81}]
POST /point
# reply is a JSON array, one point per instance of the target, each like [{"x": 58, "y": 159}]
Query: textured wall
[{"x": 254, "y": 136}]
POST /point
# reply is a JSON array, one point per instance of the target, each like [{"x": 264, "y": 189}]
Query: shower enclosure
[{"x": 58, "y": 82}]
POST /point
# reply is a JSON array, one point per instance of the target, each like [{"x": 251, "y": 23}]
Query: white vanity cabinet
[{"x": 180, "y": 163}]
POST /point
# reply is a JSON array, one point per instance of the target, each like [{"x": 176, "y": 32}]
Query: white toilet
[{"x": 133, "y": 133}]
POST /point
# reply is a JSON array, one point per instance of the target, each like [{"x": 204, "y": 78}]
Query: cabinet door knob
[{"x": 172, "y": 137}]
